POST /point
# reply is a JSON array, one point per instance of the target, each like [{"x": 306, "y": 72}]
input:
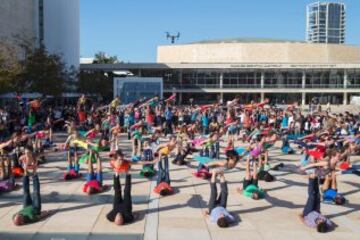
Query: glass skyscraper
[{"x": 325, "y": 22}]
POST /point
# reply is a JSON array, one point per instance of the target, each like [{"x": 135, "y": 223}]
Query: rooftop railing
[{"x": 266, "y": 86}]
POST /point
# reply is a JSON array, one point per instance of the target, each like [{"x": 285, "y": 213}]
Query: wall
[
  {"x": 258, "y": 53},
  {"x": 17, "y": 17},
  {"x": 61, "y": 29}
]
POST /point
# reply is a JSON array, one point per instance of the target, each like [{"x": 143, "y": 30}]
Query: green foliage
[
  {"x": 9, "y": 67},
  {"x": 95, "y": 83},
  {"x": 103, "y": 58},
  {"x": 44, "y": 73}
]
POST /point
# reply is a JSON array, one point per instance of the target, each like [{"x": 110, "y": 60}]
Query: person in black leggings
[{"x": 122, "y": 206}]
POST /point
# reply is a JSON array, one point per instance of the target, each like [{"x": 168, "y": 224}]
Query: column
[
  {"x": 221, "y": 86},
  {"x": 345, "y": 98},
  {"x": 303, "y": 80},
  {"x": 180, "y": 98},
  {"x": 345, "y": 79},
  {"x": 221, "y": 80},
  {"x": 303, "y": 99},
  {"x": 262, "y": 83},
  {"x": 262, "y": 96},
  {"x": 345, "y": 86},
  {"x": 180, "y": 79},
  {"x": 222, "y": 97}
]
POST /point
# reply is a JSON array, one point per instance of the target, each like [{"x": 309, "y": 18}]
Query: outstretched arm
[
  {"x": 216, "y": 164},
  {"x": 312, "y": 165}
]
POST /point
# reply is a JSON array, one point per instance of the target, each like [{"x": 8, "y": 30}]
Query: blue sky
[{"x": 132, "y": 29}]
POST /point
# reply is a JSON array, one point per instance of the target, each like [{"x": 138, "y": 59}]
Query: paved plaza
[{"x": 179, "y": 216}]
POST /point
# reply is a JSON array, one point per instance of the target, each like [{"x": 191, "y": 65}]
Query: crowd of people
[{"x": 218, "y": 137}]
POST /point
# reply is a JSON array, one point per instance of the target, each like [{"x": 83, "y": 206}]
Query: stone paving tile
[
  {"x": 180, "y": 215},
  {"x": 235, "y": 235},
  {"x": 174, "y": 233}
]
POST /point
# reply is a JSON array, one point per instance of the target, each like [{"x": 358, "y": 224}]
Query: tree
[
  {"x": 103, "y": 58},
  {"x": 95, "y": 83},
  {"x": 43, "y": 73},
  {"x": 9, "y": 67}
]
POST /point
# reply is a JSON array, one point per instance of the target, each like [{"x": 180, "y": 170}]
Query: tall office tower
[
  {"x": 52, "y": 23},
  {"x": 61, "y": 29},
  {"x": 325, "y": 22}
]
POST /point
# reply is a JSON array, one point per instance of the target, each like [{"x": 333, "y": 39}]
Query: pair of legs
[
  {"x": 7, "y": 179},
  {"x": 263, "y": 160},
  {"x": 168, "y": 127},
  {"x": 73, "y": 164},
  {"x": 114, "y": 142},
  {"x": 216, "y": 200},
  {"x": 313, "y": 201},
  {"x": 205, "y": 152},
  {"x": 35, "y": 201},
  {"x": 163, "y": 174},
  {"x": 330, "y": 182},
  {"x": 94, "y": 175},
  {"x": 122, "y": 205},
  {"x": 248, "y": 175},
  {"x": 136, "y": 146},
  {"x": 215, "y": 150},
  {"x": 5, "y": 165}
]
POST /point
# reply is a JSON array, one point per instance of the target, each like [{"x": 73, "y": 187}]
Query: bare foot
[
  {"x": 301, "y": 218},
  {"x": 239, "y": 190},
  {"x": 206, "y": 212}
]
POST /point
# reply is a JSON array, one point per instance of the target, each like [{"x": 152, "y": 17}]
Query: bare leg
[
  {"x": 133, "y": 147},
  {"x": 333, "y": 181},
  {"x": 266, "y": 157},
  {"x": 326, "y": 184},
  {"x": 98, "y": 163},
  {"x": 254, "y": 170},
  {"x": 2, "y": 171},
  {"x": 138, "y": 153}
]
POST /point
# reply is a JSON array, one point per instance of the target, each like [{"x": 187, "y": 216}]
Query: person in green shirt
[
  {"x": 251, "y": 188},
  {"x": 31, "y": 211}
]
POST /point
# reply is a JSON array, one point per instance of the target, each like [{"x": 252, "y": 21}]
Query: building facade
[
  {"x": 62, "y": 29},
  {"x": 130, "y": 89},
  {"x": 325, "y": 22},
  {"x": 284, "y": 72},
  {"x": 53, "y": 23},
  {"x": 17, "y": 21}
]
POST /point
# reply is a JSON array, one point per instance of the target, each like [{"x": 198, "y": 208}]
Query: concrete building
[
  {"x": 325, "y": 22},
  {"x": 255, "y": 69},
  {"x": 54, "y": 23},
  {"x": 17, "y": 19},
  {"x": 62, "y": 29}
]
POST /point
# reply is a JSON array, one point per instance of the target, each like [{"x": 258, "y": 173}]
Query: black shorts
[{"x": 249, "y": 182}]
